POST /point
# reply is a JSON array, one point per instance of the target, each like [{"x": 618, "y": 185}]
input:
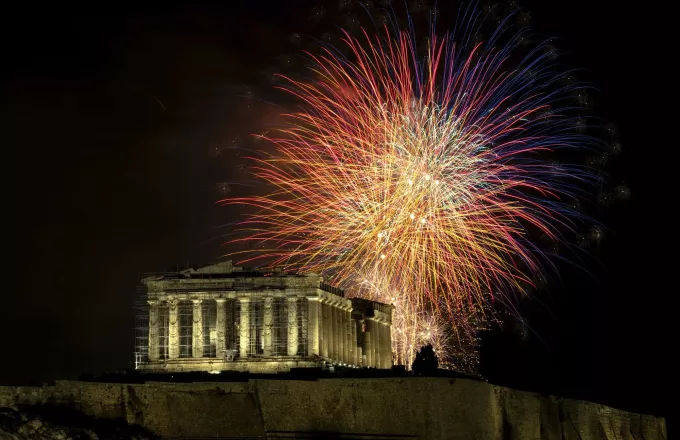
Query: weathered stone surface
[
  {"x": 41, "y": 423},
  {"x": 427, "y": 408}
]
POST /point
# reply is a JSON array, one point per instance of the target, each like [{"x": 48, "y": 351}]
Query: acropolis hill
[{"x": 348, "y": 408}]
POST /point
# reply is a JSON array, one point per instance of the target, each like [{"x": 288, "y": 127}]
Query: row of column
[
  {"x": 267, "y": 322},
  {"x": 221, "y": 345},
  {"x": 332, "y": 331},
  {"x": 377, "y": 344}
]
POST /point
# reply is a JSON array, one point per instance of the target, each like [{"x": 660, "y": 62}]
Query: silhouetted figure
[{"x": 426, "y": 361}]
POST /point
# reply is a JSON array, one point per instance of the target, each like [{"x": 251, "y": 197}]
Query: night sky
[{"x": 120, "y": 122}]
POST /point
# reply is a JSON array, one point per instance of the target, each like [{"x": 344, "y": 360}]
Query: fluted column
[
  {"x": 377, "y": 348},
  {"x": 153, "y": 330},
  {"x": 349, "y": 351},
  {"x": 340, "y": 330},
  {"x": 331, "y": 328},
  {"x": 361, "y": 342},
  {"x": 221, "y": 323},
  {"x": 383, "y": 354},
  {"x": 388, "y": 345},
  {"x": 388, "y": 338},
  {"x": 313, "y": 326},
  {"x": 197, "y": 333},
  {"x": 244, "y": 331},
  {"x": 268, "y": 320},
  {"x": 353, "y": 341},
  {"x": 292, "y": 327},
  {"x": 346, "y": 332},
  {"x": 383, "y": 346},
  {"x": 335, "y": 336},
  {"x": 325, "y": 325},
  {"x": 375, "y": 343},
  {"x": 173, "y": 330},
  {"x": 341, "y": 333},
  {"x": 368, "y": 343}
]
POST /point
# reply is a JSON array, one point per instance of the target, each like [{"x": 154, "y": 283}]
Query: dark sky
[{"x": 120, "y": 124}]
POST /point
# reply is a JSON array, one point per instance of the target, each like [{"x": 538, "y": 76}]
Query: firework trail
[
  {"x": 414, "y": 327},
  {"x": 430, "y": 173}
]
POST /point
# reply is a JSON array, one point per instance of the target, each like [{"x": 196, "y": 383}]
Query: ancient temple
[{"x": 224, "y": 317}]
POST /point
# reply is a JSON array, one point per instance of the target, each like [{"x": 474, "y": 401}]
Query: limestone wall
[{"x": 425, "y": 408}]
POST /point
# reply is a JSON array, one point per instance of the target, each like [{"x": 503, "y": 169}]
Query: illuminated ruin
[{"x": 224, "y": 317}]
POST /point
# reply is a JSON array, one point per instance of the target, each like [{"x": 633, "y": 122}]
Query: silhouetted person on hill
[{"x": 426, "y": 361}]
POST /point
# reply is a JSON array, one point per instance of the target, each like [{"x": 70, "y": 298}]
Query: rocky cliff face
[
  {"x": 48, "y": 423},
  {"x": 425, "y": 408}
]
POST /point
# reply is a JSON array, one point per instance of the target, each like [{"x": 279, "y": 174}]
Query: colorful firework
[{"x": 429, "y": 175}]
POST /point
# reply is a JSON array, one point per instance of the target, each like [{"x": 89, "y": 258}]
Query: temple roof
[{"x": 225, "y": 269}]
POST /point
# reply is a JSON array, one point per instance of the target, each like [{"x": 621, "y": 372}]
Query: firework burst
[{"x": 429, "y": 174}]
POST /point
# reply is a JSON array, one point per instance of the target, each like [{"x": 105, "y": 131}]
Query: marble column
[
  {"x": 331, "y": 327},
  {"x": 381, "y": 333},
  {"x": 326, "y": 326},
  {"x": 337, "y": 348},
  {"x": 221, "y": 323},
  {"x": 313, "y": 326},
  {"x": 268, "y": 320},
  {"x": 353, "y": 341},
  {"x": 346, "y": 335},
  {"x": 339, "y": 323},
  {"x": 343, "y": 342},
  {"x": 385, "y": 349},
  {"x": 292, "y": 327},
  {"x": 349, "y": 351},
  {"x": 368, "y": 343},
  {"x": 341, "y": 333},
  {"x": 388, "y": 338},
  {"x": 153, "y": 330},
  {"x": 344, "y": 349},
  {"x": 197, "y": 333},
  {"x": 378, "y": 344},
  {"x": 173, "y": 331},
  {"x": 375, "y": 334},
  {"x": 244, "y": 330}
]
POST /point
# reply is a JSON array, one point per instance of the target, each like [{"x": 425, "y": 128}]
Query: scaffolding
[
  {"x": 141, "y": 328},
  {"x": 235, "y": 325},
  {"x": 185, "y": 322},
  {"x": 256, "y": 332},
  {"x": 302, "y": 319},
  {"x": 163, "y": 331},
  {"x": 209, "y": 313},
  {"x": 279, "y": 327}
]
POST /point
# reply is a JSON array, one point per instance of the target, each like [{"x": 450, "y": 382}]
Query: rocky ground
[{"x": 48, "y": 424}]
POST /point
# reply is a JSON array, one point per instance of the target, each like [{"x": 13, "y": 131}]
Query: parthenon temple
[{"x": 224, "y": 317}]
